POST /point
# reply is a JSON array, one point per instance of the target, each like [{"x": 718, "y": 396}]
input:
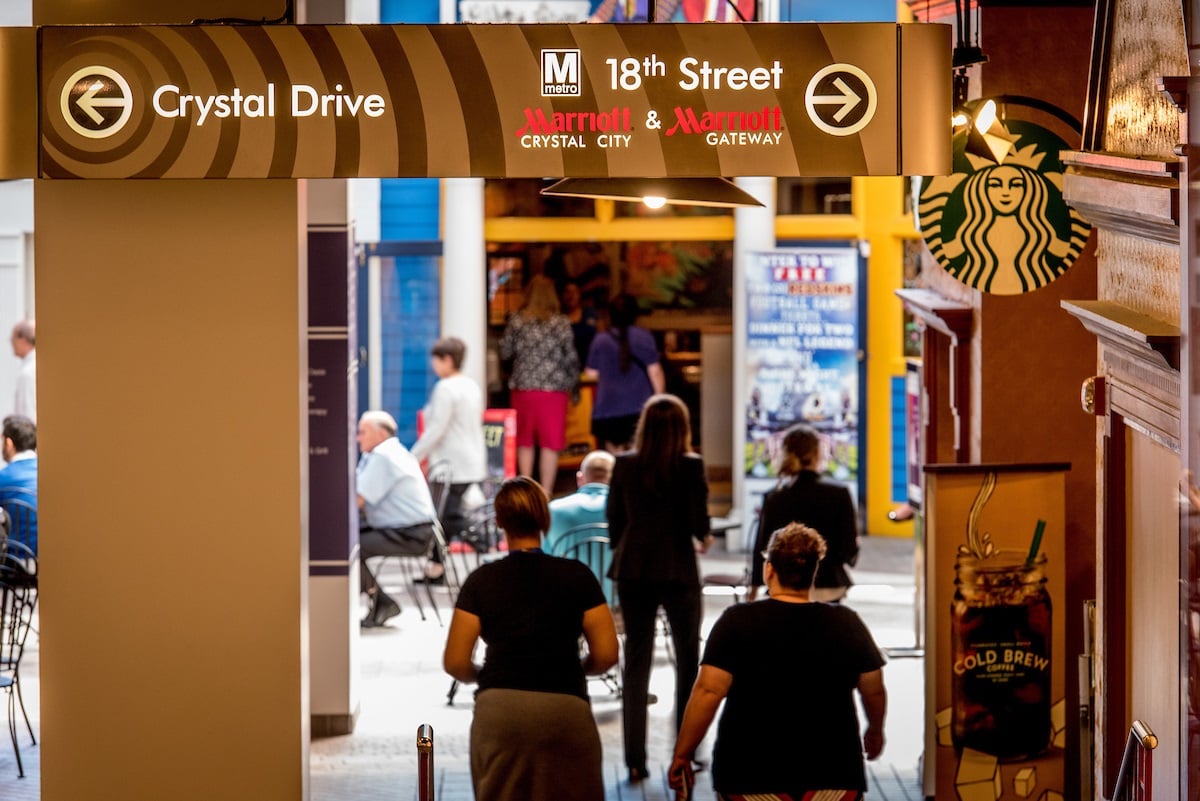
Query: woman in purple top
[{"x": 624, "y": 363}]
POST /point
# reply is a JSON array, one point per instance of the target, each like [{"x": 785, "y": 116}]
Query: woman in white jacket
[{"x": 452, "y": 436}]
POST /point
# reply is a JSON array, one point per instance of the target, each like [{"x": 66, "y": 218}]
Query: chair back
[
  {"x": 592, "y": 547},
  {"x": 22, "y": 517},
  {"x": 439, "y": 476},
  {"x": 482, "y": 534}
]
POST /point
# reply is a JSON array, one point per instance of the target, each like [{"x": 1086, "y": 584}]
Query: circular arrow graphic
[
  {"x": 96, "y": 102},
  {"x": 840, "y": 99}
]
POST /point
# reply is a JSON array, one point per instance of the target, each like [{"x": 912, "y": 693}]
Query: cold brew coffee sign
[
  {"x": 997, "y": 713},
  {"x": 314, "y": 101}
]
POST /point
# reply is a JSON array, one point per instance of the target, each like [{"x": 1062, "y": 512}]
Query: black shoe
[
  {"x": 381, "y": 612},
  {"x": 433, "y": 581},
  {"x": 638, "y": 774}
]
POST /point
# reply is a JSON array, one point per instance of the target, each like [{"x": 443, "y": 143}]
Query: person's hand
[
  {"x": 680, "y": 770},
  {"x": 873, "y": 742},
  {"x": 705, "y": 544}
]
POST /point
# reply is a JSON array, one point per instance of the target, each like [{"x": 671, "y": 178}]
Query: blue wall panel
[
  {"x": 410, "y": 324},
  {"x": 825, "y": 11},
  {"x": 899, "y": 441},
  {"x": 408, "y": 209},
  {"x": 409, "y": 11}
]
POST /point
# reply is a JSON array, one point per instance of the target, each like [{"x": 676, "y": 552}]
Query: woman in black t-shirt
[
  {"x": 787, "y": 669},
  {"x": 533, "y": 734}
]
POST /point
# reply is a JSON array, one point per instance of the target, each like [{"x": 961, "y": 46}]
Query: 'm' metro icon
[{"x": 562, "y": 73}]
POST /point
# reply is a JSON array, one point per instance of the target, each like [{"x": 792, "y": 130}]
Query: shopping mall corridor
[{"x": 403, "y": 686}]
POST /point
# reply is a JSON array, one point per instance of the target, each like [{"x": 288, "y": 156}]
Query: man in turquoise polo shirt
[{"x": 585, "y": 505}]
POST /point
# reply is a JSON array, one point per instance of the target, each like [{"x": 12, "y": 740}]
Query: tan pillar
[{"x": 173, "y": 458}]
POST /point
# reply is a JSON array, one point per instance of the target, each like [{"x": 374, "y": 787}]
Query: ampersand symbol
[{"x": 652, "y": 120}]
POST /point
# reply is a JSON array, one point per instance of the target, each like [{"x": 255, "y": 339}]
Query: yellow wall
[{"x": 877, "y": 215}]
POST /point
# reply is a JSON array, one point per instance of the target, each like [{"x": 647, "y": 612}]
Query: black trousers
[
  {"x": 408, "y": 541},
  {"x": 640, "y": 601}
]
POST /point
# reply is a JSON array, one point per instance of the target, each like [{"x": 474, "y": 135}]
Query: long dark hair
[
  {"x": 623, "y": 312},
  {"x": 662, "y": 440}
]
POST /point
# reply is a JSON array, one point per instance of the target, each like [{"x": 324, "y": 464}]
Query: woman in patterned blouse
[{"x": 545, "y": 370}]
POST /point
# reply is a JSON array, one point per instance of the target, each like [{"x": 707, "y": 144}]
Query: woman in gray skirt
[{"x": 533, "y": 735}]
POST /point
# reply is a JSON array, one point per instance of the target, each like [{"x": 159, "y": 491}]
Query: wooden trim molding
[
  {"x": 1140, "y": 358},
  {"x": 1141, "y": 336},
  {"x": 952, "y": 319},
  {"x": 1134, "y": 196}
]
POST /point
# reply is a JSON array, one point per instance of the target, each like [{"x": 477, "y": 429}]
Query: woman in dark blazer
[
  {"x": 804, "y": 496},
  {"x": 657, "y": 520}
]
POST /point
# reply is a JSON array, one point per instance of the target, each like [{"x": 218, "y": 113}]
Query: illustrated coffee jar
[{"x": 1000, "y": 624}]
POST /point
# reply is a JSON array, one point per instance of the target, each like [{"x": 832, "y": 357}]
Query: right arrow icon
[
  {"x": 847, "y": 99},
  {"x": 835, "y": 99}
]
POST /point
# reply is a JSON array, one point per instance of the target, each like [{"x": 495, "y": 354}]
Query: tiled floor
[{"x": 403, "y": 686}]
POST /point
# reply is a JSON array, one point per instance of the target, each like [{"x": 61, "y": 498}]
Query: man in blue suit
[{"x": 18, "y": 479}]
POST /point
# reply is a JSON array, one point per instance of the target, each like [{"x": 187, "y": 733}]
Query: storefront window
[
  {"x": 813, "y": 196},
  {"x": 521, "y": 197}
]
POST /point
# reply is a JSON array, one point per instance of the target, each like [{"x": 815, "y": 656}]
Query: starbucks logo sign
[{"x": 1003, "y": 226}]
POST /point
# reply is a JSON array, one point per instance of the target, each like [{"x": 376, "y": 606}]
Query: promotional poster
[
  {"x": 996, "y": 715},
  {"x": 803, "y": 339}
]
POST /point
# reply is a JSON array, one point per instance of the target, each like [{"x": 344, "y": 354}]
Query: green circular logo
[{"x": 1001, "y": 225}]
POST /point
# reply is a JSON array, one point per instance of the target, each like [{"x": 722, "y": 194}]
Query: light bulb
[
  {"x": 654, "y": 201},
  {"x": 986, "y": 116}
]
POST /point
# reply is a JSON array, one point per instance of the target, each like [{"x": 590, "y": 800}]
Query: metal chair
[
  {"x": 22, "y": 516},
  {"x": 482, "y": 536},
  {"x": 412, "y": 566},
  {"x": 596, "y": 552},
  {"x": 439, "y": 477},
  {"x": 18, "y": 598},
  {"x": 738, "y": 583},
  {"x": 598, "y": 559}
]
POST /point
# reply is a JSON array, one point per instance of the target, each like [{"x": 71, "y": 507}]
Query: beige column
[{"x": 173, "y": 458}]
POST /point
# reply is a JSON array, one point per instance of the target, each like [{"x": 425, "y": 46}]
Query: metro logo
[{"x": 562, "y": 73}]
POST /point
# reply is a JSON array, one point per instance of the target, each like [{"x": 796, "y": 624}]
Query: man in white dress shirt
[
  {"x": 395, "y": 504},
  {"x": 22, "y": 340},
  {"x": 453, "y": 436}
]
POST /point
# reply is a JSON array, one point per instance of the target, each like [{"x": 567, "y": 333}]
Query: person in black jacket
[
  {"x": 804, "y": 496},
  {"x": 657, "y": 520}
]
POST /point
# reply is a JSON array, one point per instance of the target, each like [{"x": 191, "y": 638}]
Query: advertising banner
[
  {"x": 500, "y": 436},
  {"x": 996, "y": 713},
  {"x": 635, "y": 100},
  {"x": 804, "y": 329}
]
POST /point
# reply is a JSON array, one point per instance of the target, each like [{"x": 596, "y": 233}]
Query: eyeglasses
[{"x": 766, "y": 555}]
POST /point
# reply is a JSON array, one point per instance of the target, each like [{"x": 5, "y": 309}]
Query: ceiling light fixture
[
  {"x": 656, "y": 192},
  {"x": 987, "y": 137}
]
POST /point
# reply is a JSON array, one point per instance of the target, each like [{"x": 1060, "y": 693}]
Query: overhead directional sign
[{"x": 315, "y": 101}]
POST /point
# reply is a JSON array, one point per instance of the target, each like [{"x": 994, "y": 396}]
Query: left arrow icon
[
  {"x": 89, "y": 102},
  {"x": 96, "y": 102}
]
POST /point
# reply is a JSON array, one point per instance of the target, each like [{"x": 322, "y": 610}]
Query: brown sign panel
[{"x": 342, "y": 101}]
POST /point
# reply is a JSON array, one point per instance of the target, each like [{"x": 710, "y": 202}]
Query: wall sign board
[{"x": 338, "y": 101}]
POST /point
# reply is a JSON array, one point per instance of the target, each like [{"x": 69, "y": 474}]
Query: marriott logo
[{"x": 562, "y": 73}]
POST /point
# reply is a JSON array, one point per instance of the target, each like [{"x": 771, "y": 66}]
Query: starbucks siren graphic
[{"x": 1001, "y": 225}]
